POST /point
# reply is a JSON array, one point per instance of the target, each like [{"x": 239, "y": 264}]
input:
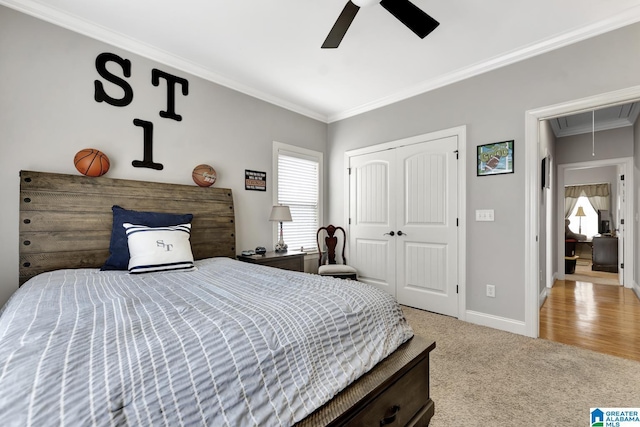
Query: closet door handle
[
  {"x": 390, "y": 234},
  {"x": 400, "y": 233}
]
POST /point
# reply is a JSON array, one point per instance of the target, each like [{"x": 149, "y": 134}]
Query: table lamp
[
  {"x": 580, "y": 213},
  {"x": 280, "y": 213}
]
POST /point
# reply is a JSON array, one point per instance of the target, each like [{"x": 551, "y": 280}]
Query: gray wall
[
  {"x": 609, "y": 144},
  {"x": 595, "y": 175},
  {"x": 493, "y": 107},
  {"x": 48, "y": 113}
]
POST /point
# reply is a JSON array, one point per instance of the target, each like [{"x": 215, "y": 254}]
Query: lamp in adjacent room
[
  {"x": 280, "y": 213},
  {"x": 580, "y": 213}
]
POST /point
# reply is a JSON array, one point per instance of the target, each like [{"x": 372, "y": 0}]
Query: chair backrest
[{"x": 331, "y": 242}]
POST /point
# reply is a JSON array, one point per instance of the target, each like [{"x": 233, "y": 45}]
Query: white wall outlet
[
  {"x": 484, "y": 215},
  {"x": 491, "y": 291}
]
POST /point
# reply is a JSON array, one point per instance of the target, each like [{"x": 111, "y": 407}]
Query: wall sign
[
  {"x": 100, "y": 95},
  {"x": 255, "y": 180}
]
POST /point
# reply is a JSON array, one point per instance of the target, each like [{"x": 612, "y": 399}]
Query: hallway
[{"x": 600, "y": 317}]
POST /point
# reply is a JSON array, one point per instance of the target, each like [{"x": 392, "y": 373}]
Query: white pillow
[{"x": 159, "y": 248}]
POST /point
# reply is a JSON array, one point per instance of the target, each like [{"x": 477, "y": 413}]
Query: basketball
[
  {"x": 91, "y": 162},
  {"x": 204, "y": 175}
]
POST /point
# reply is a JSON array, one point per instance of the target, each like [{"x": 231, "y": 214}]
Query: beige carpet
[{"x": 485, "y": 377}]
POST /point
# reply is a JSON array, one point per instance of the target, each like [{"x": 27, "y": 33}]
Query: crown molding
[
  {"x": 628, "y": 17},
  {"x": 105, "y": 35},
  {"x": 81, "y": 26}
]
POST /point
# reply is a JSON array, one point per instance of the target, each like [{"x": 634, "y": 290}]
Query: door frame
[
  {"x": 461, "y": 133},
  {"x": 624, "y": 167},
  {"x": 532, "y": 190}
]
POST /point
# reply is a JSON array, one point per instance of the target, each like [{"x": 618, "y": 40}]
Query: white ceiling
[{"x": 270, "y": 49}]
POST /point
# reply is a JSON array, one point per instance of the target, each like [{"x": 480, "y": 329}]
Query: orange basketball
[
  {"x": 204, "y": 175},
  {"x": 91, "y": 162}
]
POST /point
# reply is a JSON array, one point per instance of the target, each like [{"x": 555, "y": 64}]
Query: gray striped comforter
[{"x": 231, "y": 344}]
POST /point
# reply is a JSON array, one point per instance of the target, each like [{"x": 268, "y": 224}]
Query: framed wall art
[
  {"x": 495, "y": 158},
  {"x": 255, "y": 180},
  {"x": 545, "y": 172}
]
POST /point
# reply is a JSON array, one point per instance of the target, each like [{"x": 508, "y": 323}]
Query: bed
[{"x": 58, "y": 367}]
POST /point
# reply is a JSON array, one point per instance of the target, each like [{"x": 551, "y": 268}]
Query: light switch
[{"x": 484, "y": 215}]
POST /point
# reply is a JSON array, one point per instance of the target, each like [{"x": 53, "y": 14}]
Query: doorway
[
  {"x": 614, "y": 169},
  {"x": 533, "y": 194}
]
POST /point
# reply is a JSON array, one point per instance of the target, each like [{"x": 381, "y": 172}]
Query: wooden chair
[{"x": 327, "y": 264}]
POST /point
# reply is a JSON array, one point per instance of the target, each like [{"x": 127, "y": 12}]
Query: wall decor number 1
[{"x": 100, "y": 95}]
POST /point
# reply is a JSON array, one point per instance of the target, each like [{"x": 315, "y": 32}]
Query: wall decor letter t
[{"x": 156, "y": 75}]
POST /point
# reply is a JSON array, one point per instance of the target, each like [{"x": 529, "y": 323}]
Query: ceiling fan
[{"x": 405, "y": 11}]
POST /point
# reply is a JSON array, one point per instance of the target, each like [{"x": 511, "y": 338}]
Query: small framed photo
[
  {"x": 255, "y": 180},
  {"x": 495, "y": 158},
  {"x": 545, "y": 172}
]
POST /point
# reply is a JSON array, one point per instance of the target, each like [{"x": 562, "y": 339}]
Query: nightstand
[{"x": 292, "y": 260}]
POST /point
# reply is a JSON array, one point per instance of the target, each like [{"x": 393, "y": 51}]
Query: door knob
[
  {"x": 400, "y": 233},
  {"x": 390, "y": 234}
]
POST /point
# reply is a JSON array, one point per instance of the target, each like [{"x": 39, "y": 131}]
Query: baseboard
[
  {"x": 496, "y": 322},
  {"x": 542, "y": 297}
]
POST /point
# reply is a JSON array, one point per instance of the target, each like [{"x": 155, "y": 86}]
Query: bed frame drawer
[
  {"x": 402, "y": 404},
  {"x": 402, "y": 379}
]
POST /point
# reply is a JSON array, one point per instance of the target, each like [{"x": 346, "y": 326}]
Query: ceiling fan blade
[
  {"x": 411, "y": 16},
  {"x": 341, "y": 26}
]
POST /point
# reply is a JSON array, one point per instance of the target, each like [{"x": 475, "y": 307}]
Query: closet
[{"x": 403, "y": 210}]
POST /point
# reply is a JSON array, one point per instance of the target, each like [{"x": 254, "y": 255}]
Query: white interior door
[
  {"x": 427, "y": 233},
  {"x": 403, "y": 231},
  {"x": 621, "y": 219},
  {"x": 372, "y": 217}
]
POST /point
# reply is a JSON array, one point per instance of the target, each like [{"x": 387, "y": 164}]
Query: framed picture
[
  {"x": 495, "y": 158},
  {"x": 255, "y": 180},
  {"x": 545, "y": 173}
]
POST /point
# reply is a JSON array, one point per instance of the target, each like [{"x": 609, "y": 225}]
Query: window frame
[{"x": 303, "y": 153}]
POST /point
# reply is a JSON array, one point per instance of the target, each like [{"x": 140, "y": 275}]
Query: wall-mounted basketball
[
  {"x": 91, "y": 162},
  {"x": 204, "y": 175}
]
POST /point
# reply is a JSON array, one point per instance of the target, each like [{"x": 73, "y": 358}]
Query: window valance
[
  {"x": 598, "y": 195},
  {"x": 590, "y": 190}
]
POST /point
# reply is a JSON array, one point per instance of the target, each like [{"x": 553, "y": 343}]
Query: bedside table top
[
  {"x": 271, "y": 254},
  {"x": 292, "y": 260}
]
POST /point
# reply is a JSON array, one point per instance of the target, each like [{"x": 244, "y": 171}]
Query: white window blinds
[{"x": 299, "y": 188}]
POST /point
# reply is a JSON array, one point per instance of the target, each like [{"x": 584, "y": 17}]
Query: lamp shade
[
  {"x": 580, "y": 212},
  {"x": 280, "y": 213}
]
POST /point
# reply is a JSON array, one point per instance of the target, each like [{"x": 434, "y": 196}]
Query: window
[
  {"x": 589, "y": 223},
  {"x": 298, "y": 184}
]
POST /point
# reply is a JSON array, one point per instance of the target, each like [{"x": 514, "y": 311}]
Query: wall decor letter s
[
  {"x": 156, "y": 75},
  {"x": 100, "y": 94}
]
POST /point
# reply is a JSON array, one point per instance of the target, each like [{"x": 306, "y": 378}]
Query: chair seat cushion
[{"x": 331, "y": 269}]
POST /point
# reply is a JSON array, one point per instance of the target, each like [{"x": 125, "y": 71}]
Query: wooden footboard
[{"x": 394, "y": 393}]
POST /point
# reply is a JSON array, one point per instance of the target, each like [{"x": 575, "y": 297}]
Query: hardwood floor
[{"x": 603, "y": 318}]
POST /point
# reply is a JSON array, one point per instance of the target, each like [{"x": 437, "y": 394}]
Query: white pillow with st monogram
[{"x": 159, "y": 248}]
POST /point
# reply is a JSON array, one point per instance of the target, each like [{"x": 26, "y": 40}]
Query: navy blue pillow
[{"x": 119, "y": 248}]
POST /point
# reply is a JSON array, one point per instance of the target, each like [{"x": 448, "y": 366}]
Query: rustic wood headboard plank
[{"x": 66, "y": 220}]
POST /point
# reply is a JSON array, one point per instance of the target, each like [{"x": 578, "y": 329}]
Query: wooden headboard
[{"x": 65, "y": 220}]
